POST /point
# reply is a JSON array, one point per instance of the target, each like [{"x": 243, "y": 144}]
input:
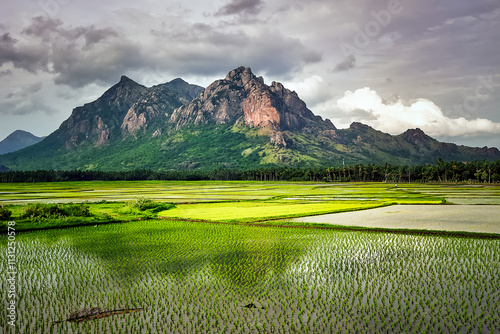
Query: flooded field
[
  {"x": 188, "y": 275},
  {"x": 470, "y": 218},
  {"x": 217, "y": 278}
]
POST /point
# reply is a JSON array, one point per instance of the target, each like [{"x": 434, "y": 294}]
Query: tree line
[{"x": 441, "y": 171}]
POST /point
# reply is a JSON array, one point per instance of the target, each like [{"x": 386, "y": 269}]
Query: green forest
[{"x": 441, "y": 171}]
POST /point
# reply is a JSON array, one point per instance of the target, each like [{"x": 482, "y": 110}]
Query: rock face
[
  {"x": 416, "y": 136},
  {"x": 125, "y": 108},
  {"x": 243, "y": 97},
  {"x": 95, "y": 123},
  {"x": 155, "y": 105}
]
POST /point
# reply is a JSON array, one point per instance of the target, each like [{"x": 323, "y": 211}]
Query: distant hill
[
  {"x": 17, "y": 140},
  {"x": 236, "y": 122}
]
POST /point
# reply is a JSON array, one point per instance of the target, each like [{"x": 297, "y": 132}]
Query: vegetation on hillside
[{"x": 208, "y": 147}]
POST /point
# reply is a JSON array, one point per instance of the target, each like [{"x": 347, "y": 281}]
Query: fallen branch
[{"x": 96, "y": 313}]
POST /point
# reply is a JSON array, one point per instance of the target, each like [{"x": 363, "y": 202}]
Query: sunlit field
[{"x": 197, "y": 278}]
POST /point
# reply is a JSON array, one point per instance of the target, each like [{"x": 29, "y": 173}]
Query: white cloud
[
  {"x": 397, "y": 116},
  {"x": 313, "y": 90}
]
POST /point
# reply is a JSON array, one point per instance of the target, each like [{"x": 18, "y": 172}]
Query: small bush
[
  {"x": 106, "y": 216},
  {"x": 39, "y": 211},
  {"x": 78, "y": 210},
  {"x": 145, "y": 203},
  {"x": 5, "y": 214},
  {"x": 128, "y": 210}
]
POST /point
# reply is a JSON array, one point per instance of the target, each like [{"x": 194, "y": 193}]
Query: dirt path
[{"x": 469, "y": 218}]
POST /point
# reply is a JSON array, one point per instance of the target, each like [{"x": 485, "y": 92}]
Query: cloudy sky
[{"x": 394, "y": 65}]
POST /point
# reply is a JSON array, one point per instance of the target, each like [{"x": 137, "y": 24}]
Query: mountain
[
  {"x": 236, "y": 122},
  {"x": 156, "y": 105},
  {"x": 411, "y": 147},
  {"x": 244, "y": 98},
  {"x": 17, "y": 140}
]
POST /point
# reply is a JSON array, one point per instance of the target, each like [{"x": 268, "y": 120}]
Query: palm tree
[
  {"x": 374, "y": 170},
  {"x": 330, "y": 173},
  {"x": 454, "y": 167}
]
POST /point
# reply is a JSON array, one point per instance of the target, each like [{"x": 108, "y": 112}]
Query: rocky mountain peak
[
  {"x": 416, "y": 136},
  {"x": 155, "y": 105},
  {"x": 244, "y": 97},
  {"x": 126, "y": 89},
  {"x": 124, "y": 80},
  {"x": 360, "y": 126},
  {"x": 242, "y": 76},
  {"x": 97, "y": 122},
  {"x": 186, "y": 90}
]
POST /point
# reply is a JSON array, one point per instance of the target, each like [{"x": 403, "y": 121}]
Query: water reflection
[
  {"x": 248, "y": 263},
  {"x": 240, "y": 255}
]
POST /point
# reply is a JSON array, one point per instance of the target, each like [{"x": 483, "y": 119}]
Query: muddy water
[{"x": 470, "y": 218}]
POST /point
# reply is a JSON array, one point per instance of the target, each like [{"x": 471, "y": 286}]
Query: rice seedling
[{"x": 191, "y": 277}]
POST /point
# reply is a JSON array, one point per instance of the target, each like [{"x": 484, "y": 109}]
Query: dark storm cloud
[
  {"x": 26, "y": 91},
  {"x": 348, "y": 63},
  {"x": 68, "y": 52},
  {"x": 94, "y": 36},
  {"x": 49, "y": 29},
  {"x": 49, "y": 34},
  {"x": 25, "y": 106},
  {"x": 29, "y": 57},
  {"x": 206, "y": 50},
  {"x": 25, "y": 101},
  {"x": 81, "y": 55},
  {"x": 44, "y": 27},
  {"x": 7, "y": 42},
  {"x": 453, "y": 52},
  {"x": 75, "y": 68},
  {"x": 240, "y": 7},
  {"x": 374, "y": 20},
  {"x": 440, "y": 47}
]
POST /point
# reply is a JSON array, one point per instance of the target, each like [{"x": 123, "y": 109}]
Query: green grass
[
  {"x": 257, "y": 210},
  {"x": 98, "y": 213}
]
